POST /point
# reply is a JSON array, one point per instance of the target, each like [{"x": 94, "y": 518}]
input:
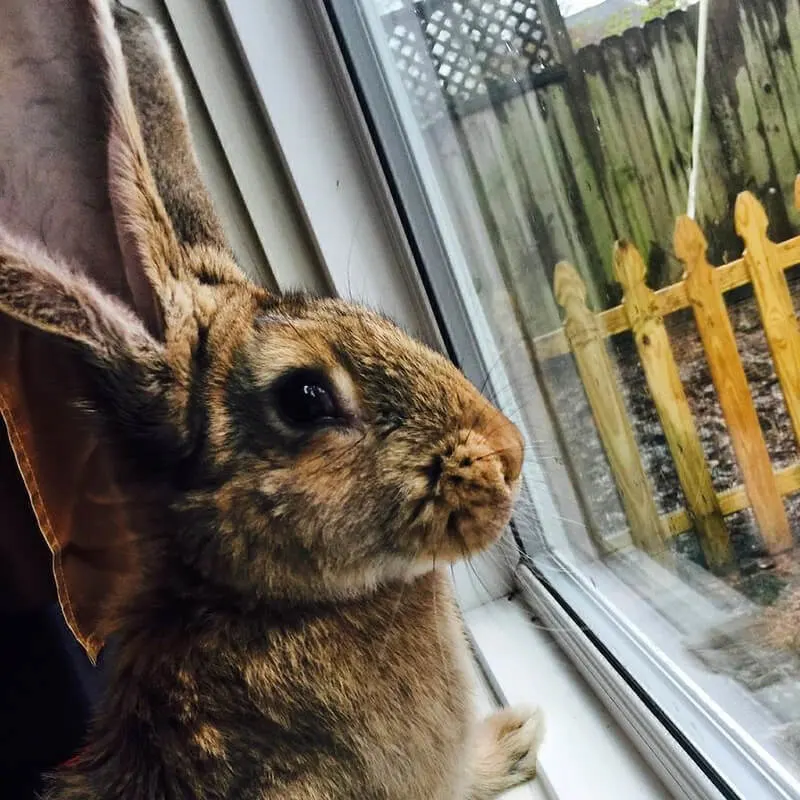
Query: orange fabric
[{"x": 66, "y": 473}]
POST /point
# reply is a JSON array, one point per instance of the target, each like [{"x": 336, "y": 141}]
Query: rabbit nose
[{"x": 504, "y": 439}]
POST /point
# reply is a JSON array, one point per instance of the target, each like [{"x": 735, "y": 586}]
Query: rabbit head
[{"x": 307, "y": 447}]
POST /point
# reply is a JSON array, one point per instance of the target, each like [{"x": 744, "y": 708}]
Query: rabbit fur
[{"x": 291, "y": 632}]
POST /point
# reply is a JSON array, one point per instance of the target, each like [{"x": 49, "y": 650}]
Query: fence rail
[
  {"x": 642, "y": 312},
  {"x": 670, "y": 299},
  {"x": 730, "y": 381}
]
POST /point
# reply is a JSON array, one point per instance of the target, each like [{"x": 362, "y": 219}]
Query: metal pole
[{"x": 699, "y": 96}]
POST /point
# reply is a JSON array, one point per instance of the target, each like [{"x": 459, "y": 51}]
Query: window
[
  {"x": 657, "y": 393},
  {"x": 520, "y": 140}
]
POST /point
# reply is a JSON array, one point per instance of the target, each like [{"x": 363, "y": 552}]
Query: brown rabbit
[{"x": 310, "y": 472}]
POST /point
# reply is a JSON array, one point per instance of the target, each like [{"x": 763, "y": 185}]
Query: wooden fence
[
  {"x": 564, "y": 170},
  {"x": 642, "y": 311}
]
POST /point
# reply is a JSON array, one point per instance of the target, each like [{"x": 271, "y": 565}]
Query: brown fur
[{"x": 292, "y": 633}]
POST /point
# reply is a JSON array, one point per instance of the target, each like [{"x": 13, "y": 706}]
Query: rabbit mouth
[
  {"x": 476, "y": 529},
  {"x": 466, "y": 495},
  {"x": 467, "y": 530}
]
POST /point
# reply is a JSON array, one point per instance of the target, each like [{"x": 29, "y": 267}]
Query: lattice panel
[{"x": 457, "y": 50}]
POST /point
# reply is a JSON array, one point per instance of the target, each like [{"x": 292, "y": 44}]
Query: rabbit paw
[{"x": 507, "y": 747}]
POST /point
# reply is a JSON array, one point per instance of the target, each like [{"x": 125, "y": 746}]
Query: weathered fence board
[
  {"x": 774, "y": 300},
  {"x": 672, "y": 406},
  {"x": 627, "y": 102},
  {"x": 503, "y": 199},
  {"x": 765, "y": 85},
  {"x": 737, "y": 47},
  {"x": 618, "y": 168},
  {"x": 608, "y": 409},
  {"x": 540, "y": 178},
  {"x": 733, "y": 391},
  {"x": 583, "y": 184},
  {"x": 662, "y": 129},
  {"x": 784, "y": 69}
]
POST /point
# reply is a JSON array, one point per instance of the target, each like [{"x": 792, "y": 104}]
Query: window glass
[{"x": 653, "y": 367}]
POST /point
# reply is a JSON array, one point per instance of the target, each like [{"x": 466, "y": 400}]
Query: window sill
[{"x": 585, "y": 753}]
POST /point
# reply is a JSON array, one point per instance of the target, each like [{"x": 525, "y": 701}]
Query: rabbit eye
[{"x": 305, "y": 399}]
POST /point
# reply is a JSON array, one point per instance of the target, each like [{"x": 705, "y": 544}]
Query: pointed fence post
[
  {"x": 608, "y": 408},
  {"x": 774, "y": 301},
  {"x": 733, "y": 390},
  {"x": 670, "y": 400}
]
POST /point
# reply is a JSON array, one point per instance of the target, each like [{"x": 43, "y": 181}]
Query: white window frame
[{"x": 306, "y": 136}]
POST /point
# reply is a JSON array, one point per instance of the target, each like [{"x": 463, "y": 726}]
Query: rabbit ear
[
  {"x": 129, "y": 378},
  {"x": 44, "y": 294},
  {"x": 147, "y": 236},
  {"x": 161, "y": 110}
]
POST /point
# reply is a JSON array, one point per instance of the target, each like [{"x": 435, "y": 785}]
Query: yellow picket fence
[{"x": 642, "y": 312}]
